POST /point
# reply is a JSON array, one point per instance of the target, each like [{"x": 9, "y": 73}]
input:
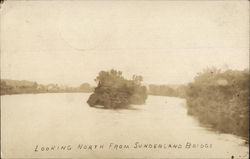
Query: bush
[
  {"x": 114, "y": 91},
  {"x": 221, "y": 100}
]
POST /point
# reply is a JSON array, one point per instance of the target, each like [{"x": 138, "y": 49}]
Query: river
[{"x": 63, "y": 125}]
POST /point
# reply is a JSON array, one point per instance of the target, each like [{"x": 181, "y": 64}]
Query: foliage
[
  {"x": 167, "y": 90},
  {"x": 221, "y": 99},
  {"x": 85, "y": 87},
  {"x": 114, "y": 91}
]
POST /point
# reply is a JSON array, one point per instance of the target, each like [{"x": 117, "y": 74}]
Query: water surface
[{"x": 32, "y": 122}]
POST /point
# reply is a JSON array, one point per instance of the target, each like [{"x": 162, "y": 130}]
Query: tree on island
[{"x": 114, "y": 91}]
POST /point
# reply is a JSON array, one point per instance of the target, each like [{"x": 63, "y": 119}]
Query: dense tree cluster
[
  {"x": 114, "y": 91},
  {"x": 221, "y": 100}
]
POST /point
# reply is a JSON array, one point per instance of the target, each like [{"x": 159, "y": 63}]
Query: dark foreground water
[{"x": 63, "y": 125}]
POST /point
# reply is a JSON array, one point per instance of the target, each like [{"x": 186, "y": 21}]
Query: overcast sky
[{"x": 165, "y": 42}]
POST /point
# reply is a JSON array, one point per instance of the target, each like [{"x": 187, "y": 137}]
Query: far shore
[{"x": 40, "y": 93}]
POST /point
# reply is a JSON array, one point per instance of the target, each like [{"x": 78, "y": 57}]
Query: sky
[{"x": 166, "y": 42}]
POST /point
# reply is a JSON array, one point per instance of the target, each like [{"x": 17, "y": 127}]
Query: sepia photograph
[{"x": 126, "y": 79}]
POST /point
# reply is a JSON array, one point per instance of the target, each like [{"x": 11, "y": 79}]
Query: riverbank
[
  {"x": 220, "y": 99},
  {"x": 23, "y": 93},
  {"x": 9, "y": 87}
]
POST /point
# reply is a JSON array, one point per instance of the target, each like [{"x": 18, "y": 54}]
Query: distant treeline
[
  {"x": 221, "y": 99},
  {"x": 167, "y": 90},
  {"x": 23, "y": 87}
]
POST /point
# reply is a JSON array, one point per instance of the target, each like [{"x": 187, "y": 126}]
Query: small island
[{"x": 114, "y": 91}]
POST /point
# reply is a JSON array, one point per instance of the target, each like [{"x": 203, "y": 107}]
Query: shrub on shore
[{"x": 221, "y": 100}]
